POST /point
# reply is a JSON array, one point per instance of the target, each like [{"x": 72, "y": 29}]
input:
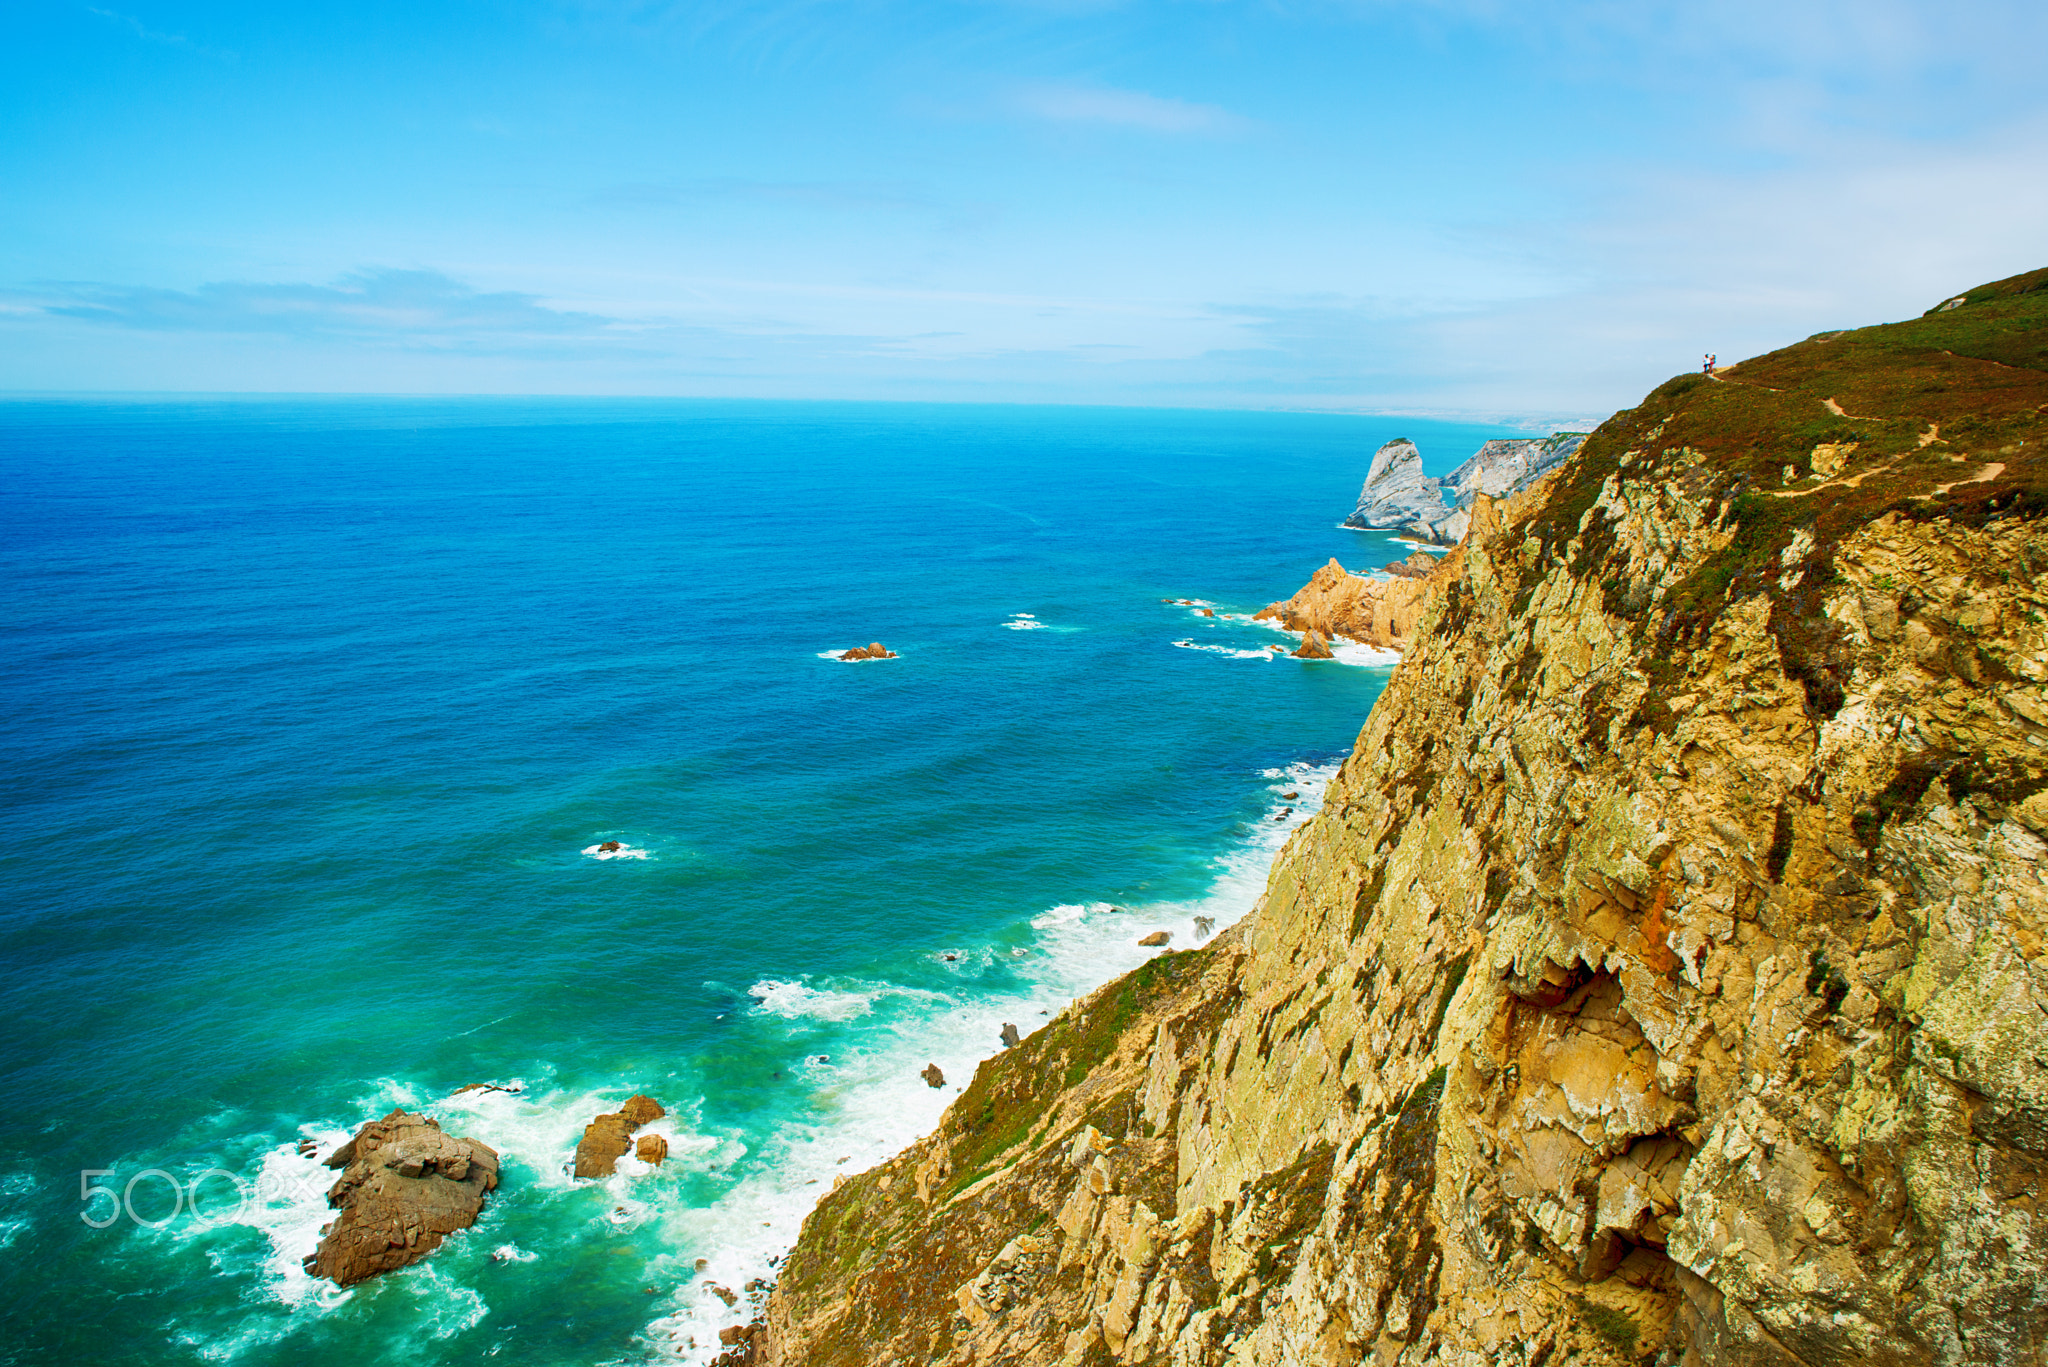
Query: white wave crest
[
  {"x": 791, "y": 999},
  {"x": 1230, "y": 652},
  {"x": 1368, "y": 657}
]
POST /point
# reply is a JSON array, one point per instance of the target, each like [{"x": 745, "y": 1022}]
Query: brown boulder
[
  {"x": 1418, "y": 565},
  {"x": 607, "y": 1138},
  {"x": 874, "y": 650},
  {"x": 1156, "y": 939},
  {"x": 932, "y": 1076},
  {"x": 405, "y": 1186},
  {"x": 652, "y": 1148},
  {"x": 638, "y": 1110},
  {"x": 1011, "y": 1039},
  {"x": 1313, "y": 647}
]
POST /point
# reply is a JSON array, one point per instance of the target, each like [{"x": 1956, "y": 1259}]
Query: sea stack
[
  {"x": 1313, "y": 647},
  {"x": 1398, "y": 497},
  {"x": 405, "y": 1186},
  {"x": 874, "y": 650}
]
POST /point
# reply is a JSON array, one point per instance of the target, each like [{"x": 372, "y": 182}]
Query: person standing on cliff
[{"x": 1708, "y": 368}]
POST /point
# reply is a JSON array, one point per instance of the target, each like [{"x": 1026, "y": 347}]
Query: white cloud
[
  {"x": 146, "y": 34},
  {"x": 419, "y": 308},
  {"x": 1126, "y": 108}
]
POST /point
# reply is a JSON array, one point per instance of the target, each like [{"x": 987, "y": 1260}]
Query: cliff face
[
  {"x": 1398, "y": 497},
  {"x": 1396, "y": 492},
  {"x": 1665, "y": 978}
]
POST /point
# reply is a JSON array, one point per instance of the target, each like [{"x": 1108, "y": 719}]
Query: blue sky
[{"x": 1522, "y": 212}]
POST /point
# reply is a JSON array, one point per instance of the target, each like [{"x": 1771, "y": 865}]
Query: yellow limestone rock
[{"x": 1664, "y": 979}]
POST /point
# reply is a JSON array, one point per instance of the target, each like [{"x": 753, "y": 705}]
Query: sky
[{"x": 1527, "y": 213}]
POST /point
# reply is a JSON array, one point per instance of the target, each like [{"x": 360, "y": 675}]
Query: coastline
[
  {"x": 864, "y": 1106},
  {"x": 409, "y": 811}
]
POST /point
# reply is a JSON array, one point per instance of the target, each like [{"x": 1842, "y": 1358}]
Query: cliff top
[{"x": 1941, "y": 416}]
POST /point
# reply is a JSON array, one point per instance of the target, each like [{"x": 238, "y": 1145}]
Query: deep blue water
[{"x": 308, "y": 709}]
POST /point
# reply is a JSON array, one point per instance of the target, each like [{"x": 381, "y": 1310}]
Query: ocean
[{"x": 312, "y": 708}]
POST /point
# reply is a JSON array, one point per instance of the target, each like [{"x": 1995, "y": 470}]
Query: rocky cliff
[
  {"x": 1663, "y": 979},
  {"x": 1337, "y": 603},
  {"x": 1398, "y": 497}
]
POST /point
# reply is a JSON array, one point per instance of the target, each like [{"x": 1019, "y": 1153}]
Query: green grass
[
  {"x": 1976, "y": 374},
  {"x": 1612, "y": 1325},
  {"x": 1015, "y": 1094}
]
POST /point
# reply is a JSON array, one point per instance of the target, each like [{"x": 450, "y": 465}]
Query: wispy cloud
[
  {"x": 1125, "y": 108},
  {"x": 146, "y": 34},
  {"x": 819, "y": 194},
  {"x": 419, "y": 308}
]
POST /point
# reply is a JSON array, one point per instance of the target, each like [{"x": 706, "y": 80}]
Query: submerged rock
[{"x": 405, "y": 1186}]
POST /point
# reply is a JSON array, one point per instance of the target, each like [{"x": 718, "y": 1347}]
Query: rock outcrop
[
  {"x": 404, "y": 1187},
  {"x": 608, "y": 1138},
  {"x": 1314, "y": 646},
  {"x": 1665, "y": 977},
  {"x": 873, "y": 651},
  {"x": 1418, "y": 565},
  {"x": 1336, "y": 603},
  {"x": 1398, "y": 497}
]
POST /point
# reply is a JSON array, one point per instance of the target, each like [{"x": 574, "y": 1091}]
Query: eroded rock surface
[
  {"x": 1336, "y": 603},
  {"x": 1398, "y": 497},
  {"x": 1665, "y": 977},
  {"x": 608, "y": 1138},
  {"x": 404, "y": 1187}
]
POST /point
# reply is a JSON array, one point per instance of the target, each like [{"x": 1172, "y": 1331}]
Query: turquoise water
[{"x": 311, "y": 707}]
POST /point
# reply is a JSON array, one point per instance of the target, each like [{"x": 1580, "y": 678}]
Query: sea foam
[{"x": 869, "y": 1101}]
